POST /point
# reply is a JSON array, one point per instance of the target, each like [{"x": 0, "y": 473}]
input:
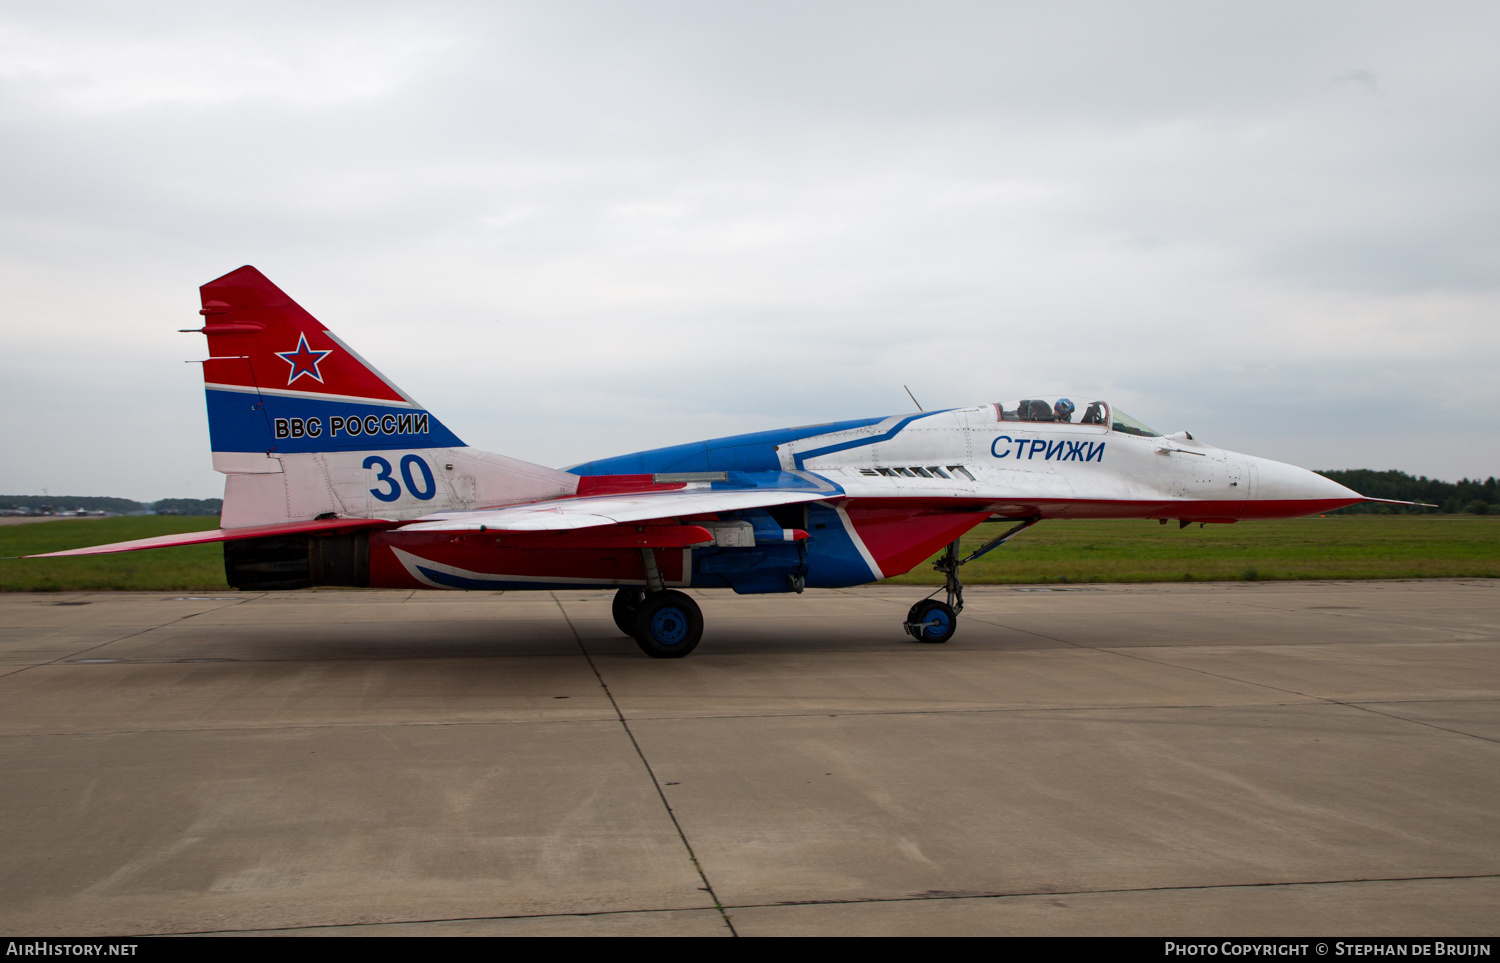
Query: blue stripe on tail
[{"x": 246, "y": 421}]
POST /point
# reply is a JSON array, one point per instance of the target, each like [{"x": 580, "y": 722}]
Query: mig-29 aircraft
[{"x": 335, "y": 476}]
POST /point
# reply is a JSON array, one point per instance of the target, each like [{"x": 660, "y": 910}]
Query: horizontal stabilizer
[{"x": 223, "y": 535}]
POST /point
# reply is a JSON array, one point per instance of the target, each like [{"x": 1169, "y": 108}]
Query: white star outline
[{"x": 304, "y": 360}]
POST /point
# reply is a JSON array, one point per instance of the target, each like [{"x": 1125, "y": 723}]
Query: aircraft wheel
[
  {"x": 668, "y": 625},
  {"x": 627, "y": 602},
  {"x": 931, "y": 621}
]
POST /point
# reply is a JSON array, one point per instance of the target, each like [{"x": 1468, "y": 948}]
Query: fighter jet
[{"x": 335, "y": 476}]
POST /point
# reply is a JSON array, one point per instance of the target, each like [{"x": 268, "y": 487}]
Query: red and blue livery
[{"x": 335, "y": 476}]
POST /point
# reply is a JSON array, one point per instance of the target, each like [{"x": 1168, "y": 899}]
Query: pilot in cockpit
[{"x": 1063, "y": 410}]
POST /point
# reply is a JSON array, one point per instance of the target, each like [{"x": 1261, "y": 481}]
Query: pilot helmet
[{"x": 1063, "y": 408}]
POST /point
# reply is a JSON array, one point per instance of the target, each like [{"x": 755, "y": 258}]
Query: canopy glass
[{"x": 1067, "y": 411}]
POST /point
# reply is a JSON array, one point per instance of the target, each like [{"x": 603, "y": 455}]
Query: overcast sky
[{"x": 574, "y": 230}]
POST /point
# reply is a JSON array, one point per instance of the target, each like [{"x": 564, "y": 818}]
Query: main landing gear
[
  {"x": 933, "y": 621},
  {"x": 665, "y": 624}
]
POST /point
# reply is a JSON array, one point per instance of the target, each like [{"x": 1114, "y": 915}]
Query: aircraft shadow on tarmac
[{"x": 502, "y": 637}]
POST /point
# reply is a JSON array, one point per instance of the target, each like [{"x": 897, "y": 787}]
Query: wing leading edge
[{"x": 562, "y": 514}]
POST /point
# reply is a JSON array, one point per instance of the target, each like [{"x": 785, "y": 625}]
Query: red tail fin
[
  {"x": 278, "y": 382},
  {"x": 246, "y": 316}
]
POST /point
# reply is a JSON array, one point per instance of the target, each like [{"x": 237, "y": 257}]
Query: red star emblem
[{"x": 304, "y": 361}]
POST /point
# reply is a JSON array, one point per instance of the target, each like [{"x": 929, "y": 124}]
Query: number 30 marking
[{"x": 429, "y": 484}]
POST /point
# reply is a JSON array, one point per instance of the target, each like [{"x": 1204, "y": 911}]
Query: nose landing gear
[{"x": 933, "y": 621}]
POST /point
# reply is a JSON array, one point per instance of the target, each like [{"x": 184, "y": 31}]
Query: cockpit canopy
[{"x": 1066, "y": 411}]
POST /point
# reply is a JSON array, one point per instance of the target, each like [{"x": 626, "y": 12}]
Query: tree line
[{"x": 55, "y": 504}]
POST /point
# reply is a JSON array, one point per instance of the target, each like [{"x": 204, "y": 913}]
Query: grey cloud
[{"x": 576, "y": 229}]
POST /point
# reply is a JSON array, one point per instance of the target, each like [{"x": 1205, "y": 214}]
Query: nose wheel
[{"x": 931, "y": 621}]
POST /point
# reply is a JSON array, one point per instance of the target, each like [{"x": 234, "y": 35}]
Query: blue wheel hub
[
  {"x": 669, "y": 626},
  {"x": 940, "y": 621}
]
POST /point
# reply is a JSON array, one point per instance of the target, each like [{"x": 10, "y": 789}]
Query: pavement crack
[
  {"x": 426, "y": 920},
  {"x": 64, "y": 659},
  {"x": 1418, "y": 722},
  {"x": 1022, "y": 894},
  {"x": 1218, "y": 675},
  {"x": 655, "y": 780}
]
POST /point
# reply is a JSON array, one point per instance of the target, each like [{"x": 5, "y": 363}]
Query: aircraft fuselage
[{"x": 896, "y": 490}]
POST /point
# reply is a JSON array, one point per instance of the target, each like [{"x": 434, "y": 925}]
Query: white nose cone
[{"x": 1286, "y": 491}]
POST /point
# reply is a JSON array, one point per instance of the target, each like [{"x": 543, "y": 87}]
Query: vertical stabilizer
[
  {"x": 304, "y": 427},
  {"x": 279, "y": 382}
]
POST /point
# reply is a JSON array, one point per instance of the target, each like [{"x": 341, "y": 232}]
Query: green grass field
[
  {"x": 1339, "y": 547},
  {"x": 190, "y": 568}
]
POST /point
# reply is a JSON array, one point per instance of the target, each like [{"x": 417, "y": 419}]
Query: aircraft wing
[
  {"x": 223, "y": 535},
  {"x": 560, "y": 514},
  {"x": 556, "y": 514}
]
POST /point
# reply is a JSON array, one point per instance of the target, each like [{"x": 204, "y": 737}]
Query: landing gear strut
[{"x": 933, "y": 621}]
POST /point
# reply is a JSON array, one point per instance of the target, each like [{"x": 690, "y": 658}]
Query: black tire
[
  {"x": 931, "y": 621},
  {"x": 668, "y": 625},
  {"x": 627, "y": 602}
]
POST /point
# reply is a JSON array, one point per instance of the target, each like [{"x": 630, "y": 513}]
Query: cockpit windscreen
[{"x": 1130, "y": 426}]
